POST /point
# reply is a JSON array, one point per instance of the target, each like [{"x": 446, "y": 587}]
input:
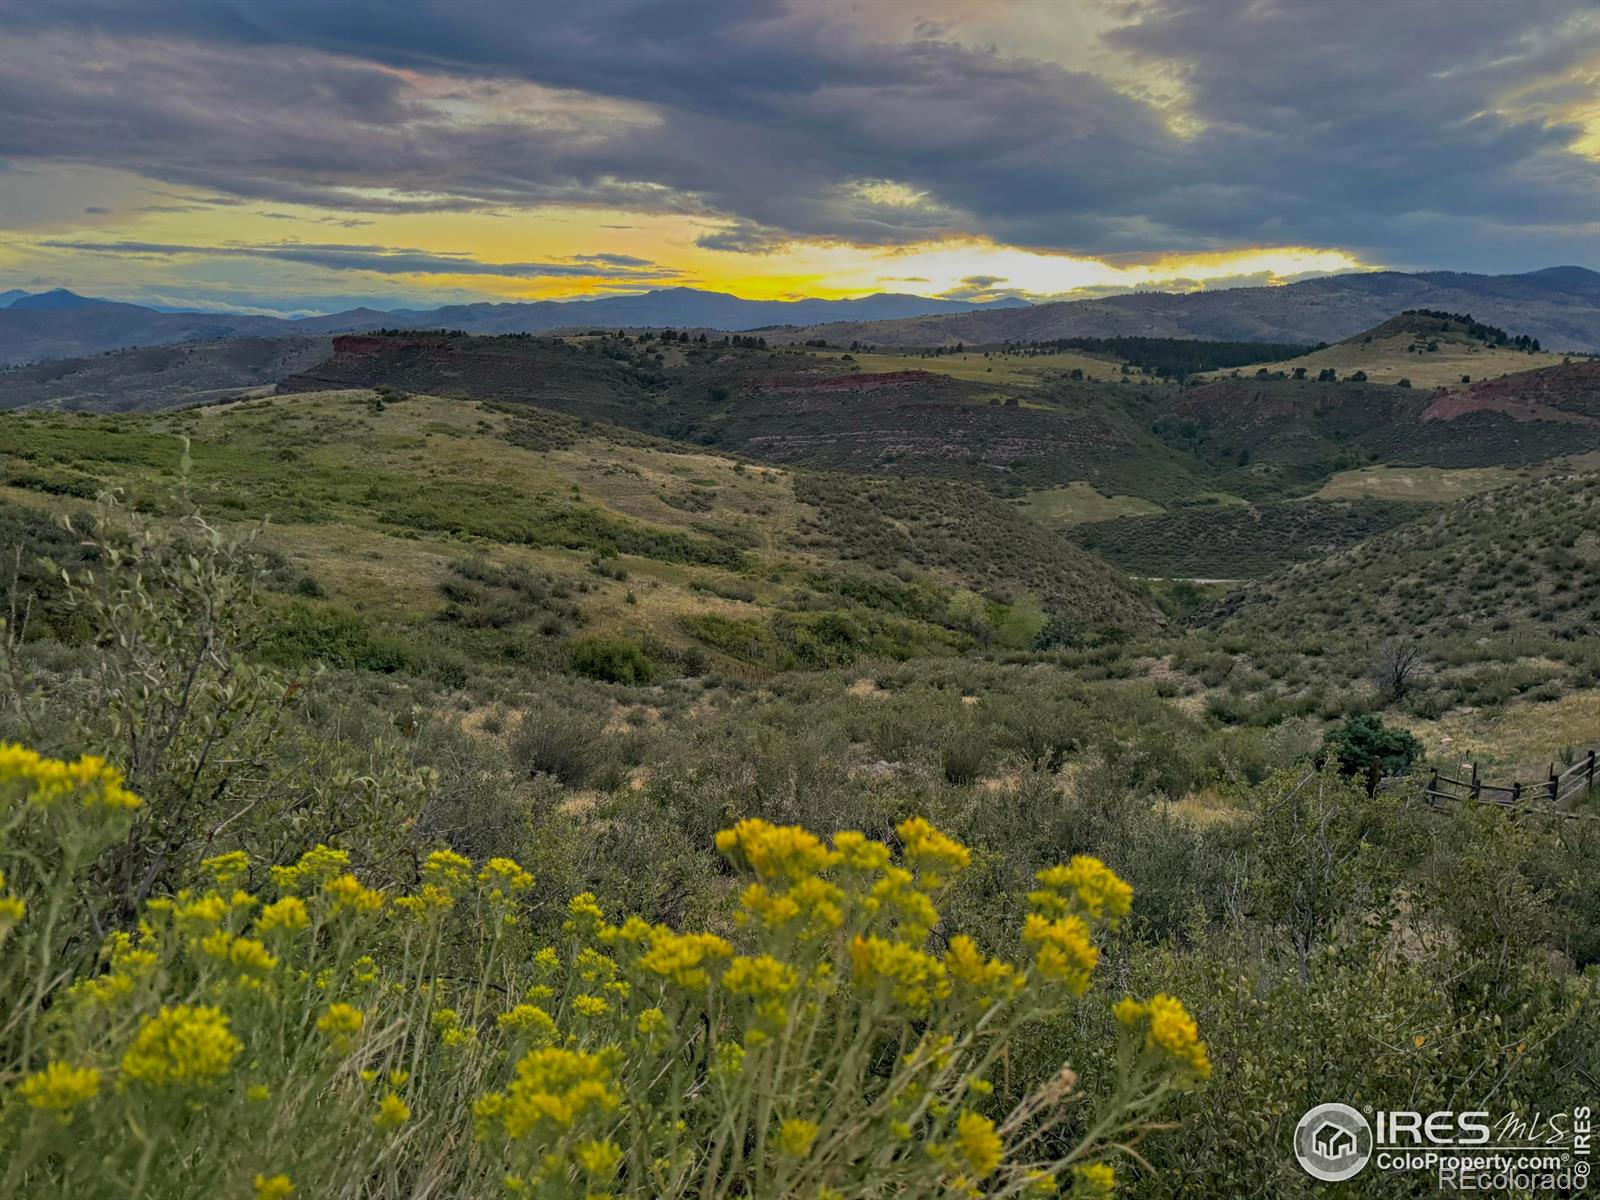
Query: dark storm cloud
[
  {"x": 1369, "y": 124},
  {"x": 384, "y": 260}
]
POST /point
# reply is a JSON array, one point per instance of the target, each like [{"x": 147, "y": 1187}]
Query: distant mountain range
[
  {"x": 1559, "y": 305},
  {"x": 63, "y": 324}
]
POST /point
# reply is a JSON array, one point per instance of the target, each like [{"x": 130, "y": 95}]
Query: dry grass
[
  {"x": 1414, "y": 483},
  {"x": 1520, "y": 739},
  {"x": 1078, "y": 502},
  {"x": 975, "y": 367},
  {"x": 1386, "y": 360}
]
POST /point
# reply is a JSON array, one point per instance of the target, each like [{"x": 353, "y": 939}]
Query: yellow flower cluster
[
  {"x": 392, "y": 1113},
  {"x": 316, "y": 867},
  {"x": 795, "y": 1137},
  {"x": 1169, "y": 1031},
  {"x": 1093, "y": 1182},
  {"x": 553, "y": 1087},
  {"x": 528, "y": 1021},
  {"x": 1086, "y": 886},
  {"x": 934, "y": 855},
  {"x": 61, "y": 1086},
  {"x": 284, "y": 916},
  {"x": 273, "y": 1187},
  {"x": 181, "y": 1046},
  {"x": 984, "y": 980},
  {"x": 760, "y": 976},
  {"x": 914, "y": 979},
  {"x": 349, "y": 895},
  {"x": 775, "y": 852},
  {"x": 1062, "y": 951},
  {"x": 12, "y": 909},
  {"x": 683, "y": 957},
  {"x": 47, "y": 780},
  {"x": 448, "y": 871},
  {"x": 340, "y": 1021},
  {"x": 978, "y": 1143}
]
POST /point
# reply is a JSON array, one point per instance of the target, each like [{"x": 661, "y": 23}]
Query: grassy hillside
[
  {"x": 515, "y": 535},
  {"x": 1428, "y": 349},
  {"x": 149, "y": 378},
  {"x": 1239, "y": 541},
  {"x": 1500, "y": 594}
]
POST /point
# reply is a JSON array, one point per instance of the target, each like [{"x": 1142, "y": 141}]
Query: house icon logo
[{"x": 1333, "y": 1142}]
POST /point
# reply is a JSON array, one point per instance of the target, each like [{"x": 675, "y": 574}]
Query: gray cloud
[
  {"x": 383, "y": 260},
  {"x": 1369, "y": 124}
]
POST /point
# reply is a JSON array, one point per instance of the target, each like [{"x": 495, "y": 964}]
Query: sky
[{"x": 296, "y": 156}]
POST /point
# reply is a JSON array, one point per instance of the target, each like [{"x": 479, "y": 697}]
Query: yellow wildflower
[
  {"x": 761, "y": 975},
  {"x": 447, "y": 870},
  {"x": 340, "y": 1022},
  {"x": 196, "y": 915},
  {"x": 315, "y": 868},
  {"x": 598, "y": 1158},
  {"x": 683, "y": 957},
  {"x": 1096, "y": 1181},
  {"x": 392, "y": 1112},
  {"x": 932, "y": 853},
  {"x": 1170, "y": 1031},
  {"x": 987, "y": 980},
  {"x": 504, "y": 877},
  {"x": 585, "y": 913},
  {"x": 553, "y": 1087},
  {"x": 1084, "y": 885},
  {"x": 181, "y": 1045},
  {"x": 226, "y": 868},
  {"x": 796, "y": 1136},
  {"x": 286, "y": 916},
  {"x": 915, "y": 979},
  {"x": 651, "y": 1022},
  {"x": 590, "y": 1006},
  {"x": 978, "y": 1143},
  {"x": 1062, "y": 951},
  {"x": 775, "y": 851},
  {"x": 61, "y": 1087},
  {"x": 47, "y": 780},
  {"x": 859, "y": 852},
  {"x": 348, "y": 894},
  {"x": 528, "y": 1021},
  {"x": 273, "y": 1187}
]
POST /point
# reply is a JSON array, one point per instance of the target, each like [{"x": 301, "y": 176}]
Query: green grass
[
  {"x": 980, "y": 367},
  {"x": 1434, "y": 485},
  {"x": 1078, "y": 502}
]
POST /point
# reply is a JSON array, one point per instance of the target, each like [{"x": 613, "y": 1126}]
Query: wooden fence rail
[{"x": 1543, "y": 796}]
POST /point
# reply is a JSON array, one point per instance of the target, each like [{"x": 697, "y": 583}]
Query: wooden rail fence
[{"x": 1544, "y": 796}]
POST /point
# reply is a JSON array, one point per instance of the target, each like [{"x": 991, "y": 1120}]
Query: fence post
[
  {"x": 1555, "y": 783},
  {"x": 1433, "y": 785},
  {"x": 1477, "y": 786},
  {"x": 1591, "y": 771},
  {"x": 1516, "y": 791},
  {"x": 1373, "y": 773}
]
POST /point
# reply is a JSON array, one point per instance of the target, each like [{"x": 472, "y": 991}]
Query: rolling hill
[
  {"x": 61, "y": 324},
  {"x": 1512, "y": 574},
  {"x": 1560, "y": 306},
  {"x": 156, "y": 377},
  {"x": 1430, "y": 349},
  {"x": 411, "y": 515}
]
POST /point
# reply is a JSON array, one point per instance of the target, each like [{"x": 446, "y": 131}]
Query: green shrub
[
  {"x": 613, "y": 660},
  {"x": 1356, "y": 743}
]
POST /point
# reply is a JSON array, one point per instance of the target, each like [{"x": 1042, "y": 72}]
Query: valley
[{"x": 592, "y": 599}]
